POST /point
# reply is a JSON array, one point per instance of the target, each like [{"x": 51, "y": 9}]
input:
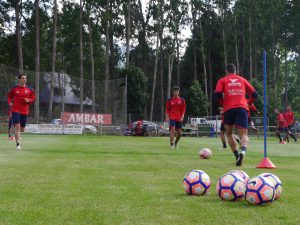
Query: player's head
[
  {"x": 230, "y": 68},
  {"x": 288, "y": 107},
  {"x": 175, "y": 91},
  {"x": 22, "y": 78},
  {"x": 276, "y": 110}
]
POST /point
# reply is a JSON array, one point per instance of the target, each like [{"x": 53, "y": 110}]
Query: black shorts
[
  {"x": 176, "y": 124},
  {"x": 19, "y": 118},
  {"x": 237, "y": 117}
]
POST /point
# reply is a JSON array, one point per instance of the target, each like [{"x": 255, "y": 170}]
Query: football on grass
[
  {"x": 231, "y": 187},
  {"x": 277, "y": 183},
  {"x": 196, "y": 182},
  {"x": 205, "y": 153},
  {"x": 260, "y": 191}
]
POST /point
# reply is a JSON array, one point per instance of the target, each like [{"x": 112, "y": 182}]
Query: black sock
[
  {"x": 236, "y": 154},
  {"x": 224, "y": 144},
  {"x": 171, "y": 143},
  {"x": 244, "y": 148},
  {"x": 278, "y": 135},
  {"x": 293, "y": 136},
  {"x": 18, "y": 144}
]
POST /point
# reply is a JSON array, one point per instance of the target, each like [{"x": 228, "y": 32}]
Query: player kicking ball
[
  {"x": 175, "y": 110},
  {"x": 231, "y": 92}
]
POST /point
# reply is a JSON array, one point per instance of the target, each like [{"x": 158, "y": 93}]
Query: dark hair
[
  {"x": 230, "y": 68},
  {"x": 22, "y": 74},
  {"x": 175, "y": 88}
]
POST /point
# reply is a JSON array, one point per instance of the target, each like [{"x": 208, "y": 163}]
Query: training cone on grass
[{"x": 266, "y": 163}]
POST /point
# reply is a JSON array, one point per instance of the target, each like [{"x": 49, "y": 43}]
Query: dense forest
[{"x": 147, "y": 42}]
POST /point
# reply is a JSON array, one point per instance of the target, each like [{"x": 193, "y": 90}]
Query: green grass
[{"x": 133, "y": 180}]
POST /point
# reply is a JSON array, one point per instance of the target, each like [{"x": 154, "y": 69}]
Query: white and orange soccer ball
[
  {"x": 260, "y": 191},
  {"x": 231, "y": 187},
  {"x": 242, "y": 174},
  {"x": 196, "y": 182},
  {"x": 205, "y": 153},
  {"x": 277, "y": 184}
]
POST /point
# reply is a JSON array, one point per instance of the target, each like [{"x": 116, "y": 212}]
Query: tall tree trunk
[
  {"x": 92, "y": 65},
  {"x": 53, "y": 60},
  {"x": 162, "y": 99},
  {"x": 37, "y": 61},
  {"x": 194, "y": 42},
  {"x": 250, "y": 48},
  {"x": 170, "y": 70},
  {"x": 81, "y": 55},
  {"x": 19, "y": 36},
  {"x": 224, "y": 46},
  {"x": 210, "y": 82},
  {"x": 106, "y": 63},
  {"x": 223, "y": 33},
  {"x": 274, "y": 83},
  {"x": 236, "y": 47},
  {"x": 285, "y": 80},
  {"x": 128, "y": 33},
  {"x": 154, "y": 77},
  {"x": 203, "y": 58},
  {"x": 177, "y": 56},
  {"x": 204, "y": 61},
  {"x": 254, "y": 38}
]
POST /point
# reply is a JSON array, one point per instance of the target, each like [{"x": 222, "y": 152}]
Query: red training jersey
[
  {"x": 175, "y": 108},
  {"x": 17, "y": 96},
  {"x": 289, "y": 117},
  {"x": 234, "y": 89},
  {"x": 252, "y": 108},
  {"x": 281, "y": 121}
]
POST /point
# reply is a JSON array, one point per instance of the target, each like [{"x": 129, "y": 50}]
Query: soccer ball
[
  {"x": 242, "y": 174},
  {"x": 205, "y": 153},
  {"x": 196, "y": 182},
  {"x": 231, "y": 187},
  {"x": 260, "y": 191},
  {"x": 277, "y": 184}
]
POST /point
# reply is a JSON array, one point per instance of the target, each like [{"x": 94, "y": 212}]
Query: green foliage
[
  {"x": 196, "y": 100},
  {"x": 137, "y": 92}
]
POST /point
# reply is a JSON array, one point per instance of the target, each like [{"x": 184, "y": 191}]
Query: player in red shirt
[
  {"x": 175, "y": 110},
  {"x": 288, "y": 115},
  {"x": 252, "y": 108},
  {"x": 19, "y": 98},
  {"x": 282, "y": 126},
  {"x": 231, "y": 92}
]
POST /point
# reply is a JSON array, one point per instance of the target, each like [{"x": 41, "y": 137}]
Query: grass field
[{"x": 133, "y": 180}]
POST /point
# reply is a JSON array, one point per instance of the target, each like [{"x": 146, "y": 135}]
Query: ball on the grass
[
  {"x": 277, "y": 184},
  {"x": 205, "y": 153},
  {"x": 231, "y": 187},
  {"x": 242, "y": 174},
  {"x": 260, "y": 191},
  {"x": 196, "y": 182}
]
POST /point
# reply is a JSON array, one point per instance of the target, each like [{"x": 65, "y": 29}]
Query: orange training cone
[{"x": 266, "y": 163}]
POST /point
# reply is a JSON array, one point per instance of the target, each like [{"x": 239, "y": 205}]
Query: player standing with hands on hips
[
  {"x": 175, "y": 110},
  {"x": 19, "y": 98},
  {"x": 231, "y": 92}
]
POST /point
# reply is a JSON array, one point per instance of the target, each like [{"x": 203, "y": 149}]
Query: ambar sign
[{"x": 86, "y": 118}]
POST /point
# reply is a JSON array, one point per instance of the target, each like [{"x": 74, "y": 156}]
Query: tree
[
  {"x": 53, "y": 59},
  {"x": 196, "y": 101},
  {"x": 37, "y": 61},
  {"x": 137, "y": 93}
]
